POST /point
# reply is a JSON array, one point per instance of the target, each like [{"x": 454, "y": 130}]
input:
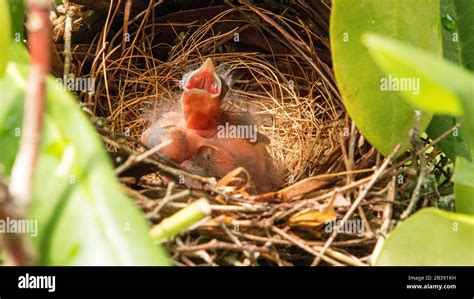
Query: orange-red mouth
[{"x": 204, "y": 78}]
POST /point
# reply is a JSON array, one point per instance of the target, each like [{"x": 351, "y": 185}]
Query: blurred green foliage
[{"x": 84, "y": 217}]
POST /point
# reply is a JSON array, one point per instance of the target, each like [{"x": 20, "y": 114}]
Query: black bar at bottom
[{"x": 263, "y": 282}]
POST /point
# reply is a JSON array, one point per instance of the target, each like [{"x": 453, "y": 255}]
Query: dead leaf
[
  {"x": 224, "y": 184},
  {"x": 314, "y": 217},
  {"x": 294, "y": 191}
]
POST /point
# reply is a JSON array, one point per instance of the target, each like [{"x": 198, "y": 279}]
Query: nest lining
[
  {"x": 305, "y": 117},
  {"x": 270, "y": 76}
]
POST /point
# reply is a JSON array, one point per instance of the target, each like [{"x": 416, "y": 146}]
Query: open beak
[
  {"x": 206, "y": 79},
  {"x": 201, "y": 99},
  {"x": 207, "y": 67}
]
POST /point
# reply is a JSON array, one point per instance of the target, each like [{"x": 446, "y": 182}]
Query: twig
[
  {"x": 356, "y": 203},
  {"x": 299, "y": 206},
  {"x": 169, "y": 198},
  {"x": 225, "y": 208},
  {"x": 349, "y": 162},
  {"x": 422, "y": 150},
  {"x": 298, "y": 242},
  {"x": 133, "y": 159},
  {"x": 351, "y": 261},
  {"x": 386, "y": 219},
  {"x": 38, "y": 39},
  {"x": 162, "y": 166},
  {"x": 21, "y": 183},
  {"x": 67, "y": 40},
  {"x": 248, "y": 253},
  {"x": 214, "y": 245},
  {"x": 416, "y": 144},
  {"x": 348, "y": 243}
]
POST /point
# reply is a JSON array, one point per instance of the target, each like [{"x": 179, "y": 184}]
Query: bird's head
[{"x": 201, "y": 99}]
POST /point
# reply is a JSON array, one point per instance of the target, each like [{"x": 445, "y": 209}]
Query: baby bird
[{"x": 194, "y": 142}]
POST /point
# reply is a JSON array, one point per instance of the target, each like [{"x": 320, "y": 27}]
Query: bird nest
[{"x": 276, "y": 59}]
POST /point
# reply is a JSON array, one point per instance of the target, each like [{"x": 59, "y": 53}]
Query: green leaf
[
  {"x": 458, "y": 26},
  {"x": 433, "y": 97},
  {"x": 382, "y": 116},
  {"x": 430, "y": 237},
  {"x": 17, "y": 9},
  {"x": 464, "y": 186},
  {"x": 453, "y": 145},
  {"x": 83, "y": 216},
  {"x": 11, "y": 113},
  {"x": 458, "y": 41},
  {"x": 19, "y": 53},
  {"x": 5, "y": 33},
  {"x": 445, "y": 87}
]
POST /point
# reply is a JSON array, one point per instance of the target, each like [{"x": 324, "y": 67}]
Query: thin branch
[
  {"x": 38, "y": 40},
  {"x": 356, "y": 203},
  {"x": 386, "y": 218},
  {"x": 298, "y": 242},
  {"x": 416, "y": 145},
  {"x": 39, "y": 31},
  {"x": 67, "y": 39}
]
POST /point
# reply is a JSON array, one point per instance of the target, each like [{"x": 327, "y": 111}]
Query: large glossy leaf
[
  {"x": 458, "y": 26},
  {"x": 83, "y": 216},
  {"x": 445, "y": 88},
  {"x": 460, "y": 12},
  {"x": 431, "y": 237},
  {"x": 437, "y": 87},
  {"x": 464, "y": 186},
  {"x": 5, "y": 33},
  {"x": 382, "y": 116}
]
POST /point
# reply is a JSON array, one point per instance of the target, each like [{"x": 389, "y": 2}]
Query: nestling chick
[{"x": 195, "y": 142}]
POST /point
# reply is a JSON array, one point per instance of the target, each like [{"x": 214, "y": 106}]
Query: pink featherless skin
[{"x": 194, "y": 142}]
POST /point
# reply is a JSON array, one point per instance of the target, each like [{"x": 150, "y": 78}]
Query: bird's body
[{"x": 194, "y": 142}]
